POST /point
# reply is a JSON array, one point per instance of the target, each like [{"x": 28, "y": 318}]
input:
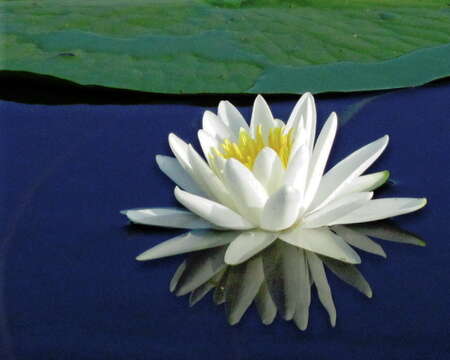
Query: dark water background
[{"x": 71, "y": 289}]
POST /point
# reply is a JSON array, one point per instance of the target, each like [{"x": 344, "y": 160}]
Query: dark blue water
[{"x": 71, "y": 289}]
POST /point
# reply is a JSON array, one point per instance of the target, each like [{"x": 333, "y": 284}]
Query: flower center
[{"x": 247, "y": 148}]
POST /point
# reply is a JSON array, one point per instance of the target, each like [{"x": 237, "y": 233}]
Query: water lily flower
[{"x": 265, "y": 181}]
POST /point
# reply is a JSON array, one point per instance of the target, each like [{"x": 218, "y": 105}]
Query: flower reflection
[{"x": 280, "y": 278}]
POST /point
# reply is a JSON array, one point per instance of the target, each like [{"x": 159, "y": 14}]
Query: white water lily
[{"x": 265, "y": 182}]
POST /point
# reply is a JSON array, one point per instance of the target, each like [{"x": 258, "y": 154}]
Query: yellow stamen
[{"x": 247, "y": 148}]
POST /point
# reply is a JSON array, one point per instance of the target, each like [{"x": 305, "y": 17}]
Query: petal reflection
[{"x": 279, "y": 279}]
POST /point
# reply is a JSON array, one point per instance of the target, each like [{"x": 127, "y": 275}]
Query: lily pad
[{"x": 231, "y": 46}]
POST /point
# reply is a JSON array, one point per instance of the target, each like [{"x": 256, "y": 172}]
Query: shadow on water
[
  {"x": 30, "y": 88},
  {"x": 47, "y": 90}
]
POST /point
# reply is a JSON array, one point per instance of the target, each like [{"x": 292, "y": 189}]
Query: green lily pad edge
[
  {"x": 233, "y": 46},
  {"x": 414, "y": 69}
]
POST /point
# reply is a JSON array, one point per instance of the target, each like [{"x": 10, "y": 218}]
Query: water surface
[{"x": 71, "y": 289}]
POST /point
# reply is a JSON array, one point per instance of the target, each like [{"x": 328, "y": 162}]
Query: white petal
[
  {"x": 172, "y": 168},
  {"x": 359, "y": 240},
  {"x": 207, "y": 142},
  {"x": 303, "y": 121},
  {"x": 347, "y": 170},
  {"x": 219, "y": 166},
  {"x": 279, "y": 123},
  {"x": 179, "y": 149},
  {"x": 248, "y": 193},
  {"x": 299, "y": 140},
  {"x": 323, "y": 288},
  {"x": 268, "y": 169},
  {"x": 298, "y": 111},
  {"x": 248, "y": 244},
  {"x": 209, "y": 182},
  {"x": 336, "y": 209},
  {"x": 321, "y": 241},
  {"x": 191, "y": 241},
  {"x": 232, "y": 118},
  {"x": 381, "y": 209},
  {"x": 297, "y": 171},
  {"x": 320, "y": 157},
  {"x": 365, "y": 183},
  {"x": 282, "y": 209},
  {"x": 214, "y": 126},
  {"x": 212, "y": 211},
  {"x": 310, "y": 121},
  {"x": 261, "y": 115},
  {"x": 167, "y": 217}
]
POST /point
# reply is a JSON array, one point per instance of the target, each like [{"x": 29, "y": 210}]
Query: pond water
[{"x": 71, "y": 289}]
